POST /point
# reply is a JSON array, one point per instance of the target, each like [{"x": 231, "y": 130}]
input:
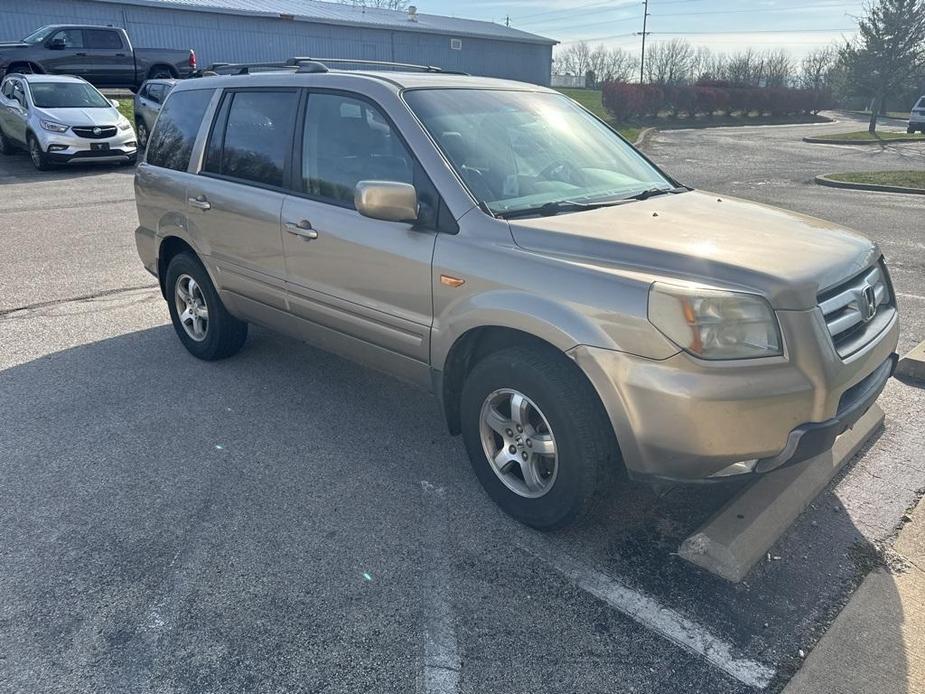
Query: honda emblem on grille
[
  {"x": 867, "y": 303},
  {"x": 97, "y": 131}
]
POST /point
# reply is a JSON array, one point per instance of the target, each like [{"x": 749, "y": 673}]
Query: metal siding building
[{"x": 269, "y": 30}]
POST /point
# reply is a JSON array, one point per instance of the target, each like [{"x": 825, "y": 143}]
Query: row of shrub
[{"x": 626, "y": 101}]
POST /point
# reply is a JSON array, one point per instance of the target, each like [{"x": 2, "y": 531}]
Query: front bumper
[
  {"x": 685, "y": 420},
  {"x": 65, "y": 148}
]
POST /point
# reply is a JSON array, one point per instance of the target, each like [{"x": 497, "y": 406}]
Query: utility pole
[
  {"x": 642, "y": 58},
  {"x": 507, "y": 21}
]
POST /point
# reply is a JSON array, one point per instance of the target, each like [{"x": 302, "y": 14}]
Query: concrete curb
[
  {"x": 911, "y": 368},
  {"x": 836, "y": 141},
  {"x": 643, "y": 136},
  {"x": 742, "y": 532},
  {"x": 832, "y": 183}
]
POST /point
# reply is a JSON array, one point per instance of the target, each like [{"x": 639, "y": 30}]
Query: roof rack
[{"x": 309, "y": 65}]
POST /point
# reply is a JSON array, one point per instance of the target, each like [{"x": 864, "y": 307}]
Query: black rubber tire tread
[
  {"x": 584, "y": 436},
  {"x": 225, "y": 334},
  {"x": 43, "y": 163},
  {"x": 6, "y": 145}
]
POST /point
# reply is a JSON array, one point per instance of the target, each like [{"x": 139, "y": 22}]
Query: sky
[{"x": 795, "y": 25}]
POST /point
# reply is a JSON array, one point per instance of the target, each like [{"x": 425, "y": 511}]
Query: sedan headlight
[
  {"x": 55, "y": 127},
  {"x": 713, "y": 324}
]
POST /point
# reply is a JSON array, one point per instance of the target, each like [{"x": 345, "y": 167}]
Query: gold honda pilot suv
[{"x": 572, "y": 306}]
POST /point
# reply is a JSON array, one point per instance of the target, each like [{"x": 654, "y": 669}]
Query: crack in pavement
[{"x": 7, "y": 312}]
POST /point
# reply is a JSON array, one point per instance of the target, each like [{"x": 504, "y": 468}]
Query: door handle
[
  {"x": 120, "y": 55},
  {"x": 200, "y": 202},
  {"x": 84, "y": 55},
  {"x": 302, "y": 229}
]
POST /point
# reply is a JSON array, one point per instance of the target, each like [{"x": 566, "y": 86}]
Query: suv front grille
[
  {"x": 857, "y": 310},
  {"x": 104, "y": 131}
]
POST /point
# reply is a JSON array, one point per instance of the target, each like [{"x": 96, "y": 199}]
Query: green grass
[
  {"x": 907, "y": 179},
  {"x": 864, "y": 136},
  {"x": 127, "y": 109},
  {"x": 591, "y": 100}
]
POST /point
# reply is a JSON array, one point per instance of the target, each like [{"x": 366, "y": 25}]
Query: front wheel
[
  {"x": 910, "y": 130},
  {"x": 536, "y": 435},
  {"x": 6, "y": 147},
  {"x": 199, "y": 317},
  {"x": 141, "y": 130},
  {"x": 37, "y": 154}
]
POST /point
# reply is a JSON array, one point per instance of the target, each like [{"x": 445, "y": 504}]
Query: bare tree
[
  {"x": 778, "y": 69},
  {"x": 816, "y": 68},
  {"x": 669, "y": 62},
  {"x": 745, "y": 67},
  {"x": 574, "y": 59},
  {"x": 612, "y": 64}
]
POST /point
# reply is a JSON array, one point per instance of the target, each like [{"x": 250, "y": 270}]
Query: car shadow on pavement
[
  {"x": 17, "y": 168},
  {"x": 171, "y": 523}
]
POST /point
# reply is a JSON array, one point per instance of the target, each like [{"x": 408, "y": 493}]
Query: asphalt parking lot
[{"x": 288, "y": 521}]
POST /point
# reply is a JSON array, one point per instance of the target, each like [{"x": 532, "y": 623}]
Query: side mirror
[
  {"x": 57, "y": 44},
  {"x": 115, "y": 104},
  {"x": 386, "y": 200}
]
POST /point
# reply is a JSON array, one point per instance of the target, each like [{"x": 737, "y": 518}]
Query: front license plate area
[{"x": 99, "y": 146}]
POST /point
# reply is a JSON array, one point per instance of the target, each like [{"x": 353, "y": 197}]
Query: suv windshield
[
  {"x": 66, "y": 95},
  {"x": 520, "y": 151},
  {"x": 38, "y": 36}
]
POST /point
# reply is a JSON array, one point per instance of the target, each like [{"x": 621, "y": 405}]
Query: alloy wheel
[
  {"x": 518, "y": 443},
  {"x": 192, "y": 309}
]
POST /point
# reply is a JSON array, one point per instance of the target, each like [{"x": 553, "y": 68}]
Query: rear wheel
[
  {"x": 37, "y": 154},
  {"x": 160, "y": 72},
  {"x": 200, "y": 320},
  {"x": 910, "y": 130},
  {"x": 536, "y": 435},
  {"x": 141, "y": 130}
]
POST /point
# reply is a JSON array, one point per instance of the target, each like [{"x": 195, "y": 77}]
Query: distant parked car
[
  {"x": 102, "y": 55},
  {"x": 917, "y": 117},
  {"x": 147, "y": 105},
  {"x": 60, "y": 119}
]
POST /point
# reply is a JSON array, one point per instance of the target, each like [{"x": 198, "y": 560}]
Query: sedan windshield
[
  {"x": 38, "y": 36},
  {"x": 67, "y": 95},
  {"x": 522, "y": 151}
]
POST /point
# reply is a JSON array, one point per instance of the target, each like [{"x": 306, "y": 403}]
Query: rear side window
[
  {"x": 176, "y": 129},
  {"x": 101, "y": 38},
  {"x": 252, "y": 136}
]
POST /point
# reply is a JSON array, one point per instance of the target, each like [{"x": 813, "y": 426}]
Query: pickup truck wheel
[
  {"x": 536, "y": 435},
  {"x": 39, "y": 158},
  {"x": 160, "y": 73},
  {"x": 910, "y": 130},
  {"x": 200, "y": 320}
]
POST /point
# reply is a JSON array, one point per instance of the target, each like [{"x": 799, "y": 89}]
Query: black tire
[
  {"x": 910, "y": 130},
  {"x": 584, "y": 441},
  {"x": 131, "y": 161},
  {"x": 224, "y": 334},
  {"x": 6, "y": 146},
  {"x": 37, "y": 154},
  {"x": 141, "y": 131},
  {"x": 160, "y": 72}
]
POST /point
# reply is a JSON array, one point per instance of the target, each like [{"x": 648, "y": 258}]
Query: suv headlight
[
  {"x": 124, "y": 124},
  {"x": 714, "y": 324},
  {"x": 55, "y": 127}
]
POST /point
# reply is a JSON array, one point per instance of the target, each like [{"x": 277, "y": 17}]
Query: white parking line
[
  {"x": 651, "y": 614},
  {"x": 911, "y": 296},
  {"x": 441, "y": 652}
]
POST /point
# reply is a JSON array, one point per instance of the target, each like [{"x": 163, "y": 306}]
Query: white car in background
[
  {"x": 917, "y": 117},
  {"x": 61, "y": 119}
]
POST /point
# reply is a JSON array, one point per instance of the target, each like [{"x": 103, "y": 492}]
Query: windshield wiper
[
  {"x": 553, "y": 208},
  {"x": 652, "y": 192}
]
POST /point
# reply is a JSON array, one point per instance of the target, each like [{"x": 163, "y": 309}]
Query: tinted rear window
[
  {"x": 101, "y": 38},
  {"x": 176, "y": 129},
  {"x": 257, "y": 136}
]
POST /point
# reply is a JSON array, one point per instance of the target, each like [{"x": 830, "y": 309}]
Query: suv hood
[
  {"x": 713, "y": 240},
  {"x": 80, "y": 117},
  {"x": 12, "y": 44}
]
